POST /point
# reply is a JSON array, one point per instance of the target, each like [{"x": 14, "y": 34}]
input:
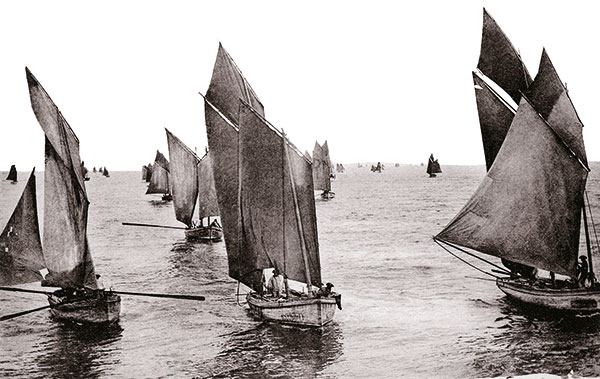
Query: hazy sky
[{"x": 388, "y": 81}]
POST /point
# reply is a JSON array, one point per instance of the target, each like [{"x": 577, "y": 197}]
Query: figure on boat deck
[
  {"x": 518, "y": 269},
  {"x": 582, "y": 271},
  {"x": 325, "y": 291},
  {"x": 276, "y": 286}
]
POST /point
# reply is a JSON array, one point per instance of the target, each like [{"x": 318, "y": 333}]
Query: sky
[{"x": 382, "y": 81}]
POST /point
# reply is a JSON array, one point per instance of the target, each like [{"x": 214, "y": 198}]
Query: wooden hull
[
  {"x": 167, "y": 197},
  {"x": 297, "y": 311},
  {"x": 213, "y": 234},
  {"x": 103, "y": 307},
  {"x": 328, "y": 195},
  {"x": 584, "y": 300}
]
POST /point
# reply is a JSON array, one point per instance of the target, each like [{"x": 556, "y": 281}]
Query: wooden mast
[
  {"x": 587, "y": 242},
  {"x": 298, "y": 220},
  {"x": 285, "y": 280}
]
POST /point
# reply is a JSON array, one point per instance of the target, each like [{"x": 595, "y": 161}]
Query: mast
[
  {"x": 587, "y": 240},
  {"x": 298, "y": 218}
]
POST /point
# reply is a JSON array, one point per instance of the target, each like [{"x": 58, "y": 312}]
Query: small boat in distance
[
  {"x": 266, "y": 199},
  {"x": 377, "y": 168},
  {"x": 65, "y": 244},
  {"x": 192, "y": 180},
  {"x": 159, "y": 181},
  {"x": 94, "y": 170},
  {"x": 105, "y": 172},
  {"x": 12, "y": 174},
  {"x": 433, "y": 167},
  {"x": 322, "y": 169},
  {"x": 149, "y": 172},
  {"x": 339, "y": 168},
  {"x": 84, "y": 172}
]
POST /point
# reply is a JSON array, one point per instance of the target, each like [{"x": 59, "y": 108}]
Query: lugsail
[
  {"x": 270, "y": 226},
  {"x": 159, "y": 182},
  {"x": 320, "y": 169},
  {"x": 500, "y": 61},
  {"x": 433, "y": 166},
  {"x": 207, "y": 193},
  {"x": 183, "y": 178},
  {"x": 528, "y": 208},
  {"x": 66, "y": 249},
  {"x": 21, "y": 256},
  {"x": 12, "y": 174}
]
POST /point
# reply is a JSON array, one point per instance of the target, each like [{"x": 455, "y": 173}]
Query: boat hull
[
  {"x": 98, "y": 308},
  {"x": 204, "y": 234},
  {"x": 328, "y": 195},
  {"x": 314, "y": 312},
  {"x": 584, "y": 300},
  {"x": 167, "y": 197}
]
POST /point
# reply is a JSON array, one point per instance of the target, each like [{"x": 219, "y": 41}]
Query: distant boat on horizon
[
  {"x": 12, "y": 174},
  {"x": 322, "y": 170},
  {"x": 159, "y": 180},
  {"x": 433, "y": 167}
]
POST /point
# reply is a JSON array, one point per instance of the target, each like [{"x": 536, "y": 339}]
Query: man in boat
[
  {"x": 325, "y": 291},
  {"x": 276, "y": 285},
  {"x": 582, "y": 271},
  {"x": 99, "y": 282},
  {"x": 518, "y": 269}
]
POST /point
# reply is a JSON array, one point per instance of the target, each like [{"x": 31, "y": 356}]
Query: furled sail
[
  {"x": 500, "y": 61},
  {"x": 273, "y": 235},
  {"x": 12, "y": 174},
  {"x": 528, "y": 207},
  {"x": 21, "y": 256},
  {"x": 320, "y": 169},
  {"x": 183, "y": 178},
  {"x": 159, "y": 182},
  {"x": 66, "y": 249},
  {"x": 495, "y": 117},
  {"x": 228, "y": 85},
  {"x": 207, "y": 193}
]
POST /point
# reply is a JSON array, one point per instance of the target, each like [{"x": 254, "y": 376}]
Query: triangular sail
[
  {"x": 327, "y": 159},
  {"x": 270, "y": 224},
  {"x": 320, "y": 169},
  {"x": 500, "y": 61},
  {"x": 66, "y": 249},
  {"x": 433, "y": 166},
  {"x": 12, "y": 174},
  {"x": 528, "y": 207},
  {"x": 149, "y": 172},
  {"x": 183, "y": 177},
  {"x": 21, "y": 256},
  {"x": 159, "y": 182},
  {"x": 207, "y": 193}
]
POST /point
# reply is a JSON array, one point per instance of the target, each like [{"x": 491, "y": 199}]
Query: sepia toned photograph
[{"x": 317, "y": 189}]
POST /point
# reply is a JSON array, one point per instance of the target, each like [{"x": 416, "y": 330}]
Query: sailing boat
[
  {"x": 266, "y": 200},
  {"x": 84, "y": 172},
  {"x": 191, "y": 180},
  {"x": 94, "y": 170},
  {"x": 66, "y": 250},
  {"x": 144, "y": 172},
  {"x": 159, "y": 181},
  {"x": 529, "y": 207},
  {"x": 12, "y": 174},
  {"x": 21, "y": 257},
  {"x": 321, "y": 170},
  {"x": 433, "y": 167},
  {"x": 149, "y": 173},
  {"x": 105, "y": 172}
]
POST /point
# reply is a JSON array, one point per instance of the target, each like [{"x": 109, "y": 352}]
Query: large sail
[
  {"x": 21, "y": 256},
  {"x": 228, "y": 86},
  {"x": 500, "y": 61},
  {"x": 207, "y": 193},
  {"x": 270, "y": 225},
  {"x": 183, "y": 178},
  {"x": 320, "y": 169},
  {"x": 495, "y": 117},
  {"x": 433, "y": 166},
  {"x": 528, "y": 207},
  {"x": 66, "y": 249},
  {"x": 550, "y": 97},
  {"x": 159, "y": 182},
  {"x": 12, "y": 174}
]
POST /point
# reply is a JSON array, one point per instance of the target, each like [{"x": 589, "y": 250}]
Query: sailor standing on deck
[{"x": 276, "y": 285}]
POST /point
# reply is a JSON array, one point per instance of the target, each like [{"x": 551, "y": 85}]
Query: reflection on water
[
  {"x": 80, "y": 351},
  {"x": 278, "y": 350}
]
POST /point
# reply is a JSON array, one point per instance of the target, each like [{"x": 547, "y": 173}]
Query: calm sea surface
[{"x": 410, "y": 309}]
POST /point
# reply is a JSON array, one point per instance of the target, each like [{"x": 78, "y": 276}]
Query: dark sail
[
  {"x": 144, "y": 172},
  {"x": 183, "y": 176},
  {"x": 433, "y": 167},
  {"x": 320, "y": 169},
  {"x": 159, "y": 182},
  {"x": 149, "y": 173},
  {"x": 12, "y": 174},
  {"x": 270, "y": 225},
  {"x": 21, "y": 256},
  {"x": 495, "y": 117},
  {"x": 528, "y": 207},
  {"x": 500, "y": 61},
  {"x": 66, "y": 249},
  {"x": 207, "y": 193},
  {"x": 105, "y": 172},
  {"x": 228, "y": 86}
]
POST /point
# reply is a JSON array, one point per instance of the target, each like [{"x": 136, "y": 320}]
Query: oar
[
  {"x": 153, "y": 225},
  {"x": 8, "y": 317},
  {"x": 183, "y": 297},
  {"x": 12, "y": 289}
]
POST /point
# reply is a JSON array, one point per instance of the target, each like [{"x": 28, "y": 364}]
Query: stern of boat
[{"x": 299, "y": 311}]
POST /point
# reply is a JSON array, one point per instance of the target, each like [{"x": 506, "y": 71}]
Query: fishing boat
[
  {"x": 144, "y": 172},
  {"x": 105, "y": 172},
  {"x": 529, "y": 207},
  {"x": 321, "y": 169},
  {"x": 159, "y": 180},
  {"x": 339, "y": 168},
  {"x": 433, "y": 167},
  {"x": 85, "y": 172},
  {"x": 65, "y": 245},
  {"x": 12, "y": 175},
  {"x": 377, "y": 168},
  {"x": 94, "y": 170},
  {"x": 266, "y": 200},
  {"x": 191, "y": 181},
  {"x": 149, "y": 173}
]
